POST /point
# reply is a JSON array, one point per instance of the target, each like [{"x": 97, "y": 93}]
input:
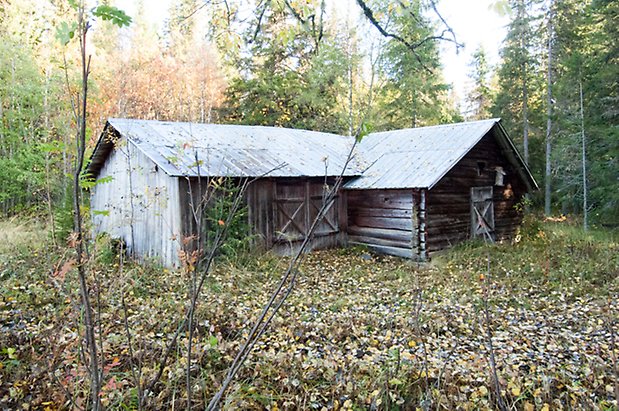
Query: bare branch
[
  {"x": 257, "y": 31},
  {"x": 317, "y": 34},
  {"x": 447, "y": 29},
  {"x": 369, "y": 14},
  {"x": 446, "y": 35},
  {"x": 281, "y": 293},
  {"x": 489, "y": 345},
  {"x": 296, "y": 13},
  {"x": 205, "y": 265},
  {"x": 137, "y": 375}
]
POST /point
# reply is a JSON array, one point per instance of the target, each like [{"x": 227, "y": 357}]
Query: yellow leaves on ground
[{"x": 351, "y": 335}]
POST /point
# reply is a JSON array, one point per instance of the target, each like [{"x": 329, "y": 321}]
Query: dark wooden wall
[
  {"x": 449, "y": 206},
  {"x": 403, "y": 222},
  {"x": 383, "y": 220},
  {"x": 196, "y": 195},
  {"x": 282, "y": 210}
]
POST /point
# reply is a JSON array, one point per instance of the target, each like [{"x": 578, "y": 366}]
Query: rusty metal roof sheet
[
  {"x": 192, "y": 149},
  {"x": 416, "y": 157}
]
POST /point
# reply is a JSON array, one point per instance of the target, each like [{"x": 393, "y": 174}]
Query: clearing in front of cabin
[{"x": 358, "y": 331}]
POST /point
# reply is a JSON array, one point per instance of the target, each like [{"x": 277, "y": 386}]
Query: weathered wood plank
[
  {"x": 397, "y": 235},
  {"x": 381, "y": 249},
  {"x": 382, "y": 212},
  {"x": 143, "y": 205},
  {"x": 395, "y": 199},
  {"x": 378, "y": 241},
  {"x": 382, "y": 222}
]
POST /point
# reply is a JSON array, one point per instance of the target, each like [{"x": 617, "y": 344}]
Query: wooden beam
[
  {"x": 388, "y": 234},
  {"x": 396, "y": 251},
  {"x": 415, "y": 223},
  {"x": 423, "y": 253}
]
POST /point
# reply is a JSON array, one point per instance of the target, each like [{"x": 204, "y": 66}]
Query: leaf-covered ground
[{"x": 358, "y": 332}]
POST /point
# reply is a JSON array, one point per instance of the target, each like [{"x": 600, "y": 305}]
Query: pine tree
[
  {"x": 585, "y": 147},
  {"x": 480, "y": 96},
  {"x": 286, "y": 78},
  {"x": 519, "y": 80},
  {"x": 414, "y": 93}
]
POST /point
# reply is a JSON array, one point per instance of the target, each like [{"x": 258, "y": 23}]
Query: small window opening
[{"x": 481, "y": 166}]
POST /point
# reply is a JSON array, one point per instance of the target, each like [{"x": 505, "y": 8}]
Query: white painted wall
[{"x": 141, "y": 203}]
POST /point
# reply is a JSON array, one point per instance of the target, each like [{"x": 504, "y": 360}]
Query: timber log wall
[
  {"x": 382, "y": 220},
  {"x": 449, "y": 202}
]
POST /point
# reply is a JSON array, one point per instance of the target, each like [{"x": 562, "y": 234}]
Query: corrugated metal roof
[
  {"x": 410, "y": 158},
  {"x": 192, "y": 149},
  {"x": 416, "y": 157}
]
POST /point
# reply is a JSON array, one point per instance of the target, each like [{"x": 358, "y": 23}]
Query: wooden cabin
[
  {"x": 152, "y": 172},
  {"x": 428, "y": 188},
  {"x": 407, "y": 193}
]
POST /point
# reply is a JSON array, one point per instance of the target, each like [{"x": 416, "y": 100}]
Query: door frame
[{"x": 482, "y": 218}]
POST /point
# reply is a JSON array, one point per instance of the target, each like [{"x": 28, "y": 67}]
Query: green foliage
[
  {"x": 364, "y": 130},
  {"x": 584, "y": 53},
  {"x": 63, "y": 217},
  {"x": 521, "y": 83},
  {"x": 414, "y": 94},
  {"x": 288, "y": 81},
  {"x": 107, "y": 250},
  {"x": 26, "y": 130},
  {"x": 65, "y": 32},
  {"x": 587, "y": 56},
  {"x": 551, "y": 255},
  {"x": 112, "y": 14},
  {"x": 480, "y": 97},
  {"x": 219, "y": 216},
  {"x": 88, "y": 183}
]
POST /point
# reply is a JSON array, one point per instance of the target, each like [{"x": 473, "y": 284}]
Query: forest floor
[{"x": 358, "y": 332}]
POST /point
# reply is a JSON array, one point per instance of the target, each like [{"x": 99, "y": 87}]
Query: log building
[{"x": 407, "y": 193}]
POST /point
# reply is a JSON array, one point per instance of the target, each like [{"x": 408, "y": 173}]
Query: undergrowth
[{"x": 358, "y": 332}]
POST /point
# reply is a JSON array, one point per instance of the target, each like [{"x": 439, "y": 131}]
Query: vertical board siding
[
  {"x": 259, "y": 199},
  {"x": 449, "y": 202},
  {"x": 382, "y": 220},
  {"x": 271, "y": 202},
  {"x": 302, "y": 198},
  {"x": 139, "y": 205}
]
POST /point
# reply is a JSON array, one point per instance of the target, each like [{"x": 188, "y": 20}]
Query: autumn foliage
[{"x": 359, "y": 331}]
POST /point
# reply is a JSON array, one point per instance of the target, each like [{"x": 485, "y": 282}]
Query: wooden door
[
  {"x": 482, "y": 213},
  {"x": 297, "y": 204},
  {"x": 290, "y": 211},
  {"x": 329, "y": 223}
]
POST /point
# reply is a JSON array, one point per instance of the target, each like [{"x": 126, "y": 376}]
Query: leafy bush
[{"x": 237, "y": 242}]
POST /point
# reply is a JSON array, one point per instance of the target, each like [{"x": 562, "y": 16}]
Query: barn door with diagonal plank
[
  {"x": 297, "y": 205},
  {"x": 290, "y": 211},
  {"x": 482, "y": 213},
  {"x": 329, "y": 223}
]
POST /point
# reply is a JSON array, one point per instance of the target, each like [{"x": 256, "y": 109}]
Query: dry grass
[{"x": 19, "y": 233}]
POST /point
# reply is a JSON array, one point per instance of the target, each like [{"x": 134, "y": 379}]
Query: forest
[
  {"x": 304, "y": 66},
  {"x": 527, "y": 325}
]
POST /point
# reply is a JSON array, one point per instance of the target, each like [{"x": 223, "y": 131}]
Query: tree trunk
[
  {"x": 585, "y": 210},
  {"x": 78, "y": 234},
  {"x": 525, "y": 91},
  {"x": 547, "y": 175}
]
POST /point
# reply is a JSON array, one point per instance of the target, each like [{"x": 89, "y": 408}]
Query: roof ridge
[
  {"x": 458, "y": 124},
  {"x": 248, "y": 126}
]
